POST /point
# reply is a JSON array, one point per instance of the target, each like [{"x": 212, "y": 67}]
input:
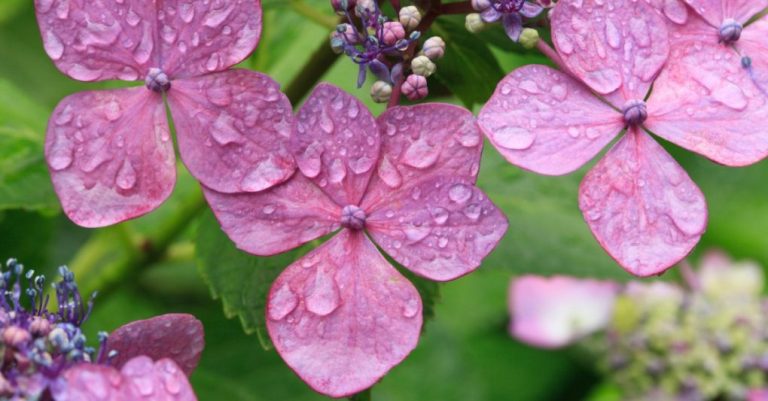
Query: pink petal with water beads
[
  {"x": 97, "y": 41},
  {"x": 710, "y": 10},
  {"x": 336, "y": 143},
  {"x": 110, "y": 155},
  {"x": 275, "y": 220},
  {"x": 675, "y": 10},
  {"x": 90, "y": 382},
  {"x": 341, "y": 317},
  {"x": 421, "y": 143},
  {"x": 178, "y": 337},
  {"x": 557, "y": 311},
  {"x": 441, "y": 229},
  {"x": 717, "y": 11},
  {"x": 753, "y": 45},
  {"x": 642, "y": 207},
  {"x": 201, "y": 37},
  {"x": 617, "y": 46},
  {"x": 543, "y": 120},
  {"x": 233, "y": 130}
]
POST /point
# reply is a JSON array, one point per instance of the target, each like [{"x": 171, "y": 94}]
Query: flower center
[
  {"x": 635, "y": 112},
  {"x": 352, "y": 217},
  {"x": 730, "y": 31},
  {"x": 157, "y": 80},
  {"x": 508, "y": 6}
]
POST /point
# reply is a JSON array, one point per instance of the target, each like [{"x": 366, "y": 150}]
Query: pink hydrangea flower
[
  {"x": 639, "y": 203},
  {"x": 342, "y": 315},
  {"x": 557, "y": 311},
  {"x": 109, "y": 152},
  {"x": 758, "y": 395}
]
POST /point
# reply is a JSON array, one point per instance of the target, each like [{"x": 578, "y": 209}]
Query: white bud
[
  {"x": 481, "y": 5},
  {"x": 474, "y": 23},
  {"x": 381, "y": 92},
  {"x": 434, "y": 48},
  {"x": 410, "y": 17},
  {"x": 529, "y": 38},
  {"x": 423, "y": 66}
]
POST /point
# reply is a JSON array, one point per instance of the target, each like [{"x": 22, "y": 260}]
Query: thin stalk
[{"x": 312, "y": 14}]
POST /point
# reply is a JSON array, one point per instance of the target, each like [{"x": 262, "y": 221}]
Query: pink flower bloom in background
[
  {"x": 758, "y": 395},
  {"x": 110, "y": 153},
  {"x": 639, "y": 203},
  {"x": 342, "y": 315},
  {"x": 552, "y": 312}
]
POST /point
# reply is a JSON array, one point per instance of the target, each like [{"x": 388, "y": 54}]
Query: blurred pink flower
[
  {"x": 342, "y": 316},
  {"x": 758, "y": 395},
  {"x": 639, "y": 203},
  {"x": 110, "y": 153}
]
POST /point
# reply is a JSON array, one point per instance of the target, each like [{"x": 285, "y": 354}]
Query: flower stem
[
  {"x": 310, "y": 13},
  {"x": 464, "y": 7}
]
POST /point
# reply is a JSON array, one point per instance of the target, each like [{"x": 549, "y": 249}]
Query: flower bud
[
  {"x": 423, "y": 66},
  {"x": 40, "y": 326},
  {"x": 15, "y": 336},
  {"x": 481, "y": 5},
  {"x": 410, "y": 17},
  {"x": 365, "y": 7},
  {"x": 434, "y": 48},
  {"x": 730, "y": 31},
  {"x": 474, "y": 23},
  {"x": 415, "y": 87},
  {"x": 348, "y": 33},
  {"x": 392, "y": 32},
  {"x": 529, "y": 38},
  {"x": 381, "y": 92},
  {"x": 342, "y": 6},
  {"x": 337, "y": 43}
]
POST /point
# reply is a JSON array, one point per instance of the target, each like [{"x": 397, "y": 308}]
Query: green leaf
[{"x": 469, "y": 69}]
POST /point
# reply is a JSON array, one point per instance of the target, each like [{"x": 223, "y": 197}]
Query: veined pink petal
[
  {"x": 91, "y": 382},
  {"x": 642, "y": 207},
  {"x": 200, "y": 37},
  {"x": 705, "y": 101},
  {"x": 336, "y": 143},
  {"x": 545, "y": 121},
  {"x": 145, "y": 380},
  {"x": 342, "y": 316},
  {"x": 233, "y": 130},
  {"x": 441, "y": 229},
  {"x": 675, "y": 10},
  {"x": 178, "y": 337},
  {"x": 743, "y": 10},
  {"x": 278, "y": 219},
  {"x": 420, "y": 143},
  {"x": 95, "y": 41},
  {"x": 753, "y": 45},
  {"x": 711, "y": 10},
  {"x": 110, "y": 155},
  {"x": 617, "y": 46},
  {"x": 557, "y": 311}
]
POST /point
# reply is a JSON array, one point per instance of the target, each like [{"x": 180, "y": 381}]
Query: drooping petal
[
  {"x": 710, "y": 10},
  {"x": 336, "y": 143},
  {"x": 441, "y": 229},
  {"x": 342, "y": 316},
  {"x": 275, "y": 220},
  {"x": 705, "y": 101},
  {"x": 110, "y": 155},
  {"x": 420, "y": 143},
  {"x": 743, "y": 10},
  {"x": 642, "y": 207},
  {"x": 545, "y": 121},
  {"x": 753, "y": 45},
  {"x": 557, "y": 311},
  {"x": 233, "y": 130},
  {"x": 200, "y": 37},
  {"x": 95, "y": 41},
  {"x": 145, "y": 380},
  {"x": 513, "y": 26},
  {"x": 91, "y": 382},
  {"x": 619, "y": 45},
  {"x": 178, "y": 337}
]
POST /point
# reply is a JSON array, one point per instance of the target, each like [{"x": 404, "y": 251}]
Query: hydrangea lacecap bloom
[
  {"x": 342, "y": 315},
  {"x": 46, "y": 356},
  {"x": 510, "y": 12},
  {"x": 639, "y": 203},
  {"x": 110, "y": 153}
]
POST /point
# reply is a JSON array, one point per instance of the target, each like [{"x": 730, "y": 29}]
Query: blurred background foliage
[{"x": 152, "y": 265}]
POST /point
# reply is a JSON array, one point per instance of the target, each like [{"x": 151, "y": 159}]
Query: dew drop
[
  {"x": 389, "y": 173},
  {"x": 60, "y": 155},
  {"x": 266, "y": 174},
  {"x": 282, "y": 303},
  {"x": 362, "y": 164},
  {"x": 112, "y": 110},
  {"x": 515, "y": 138},
  {"x": 224, "y": 131},
  {"x": 337, "y": 171},
  {"x": 322, "y": 294},
  {"x": 612, "y": 34},
  {"x": 439, "y": 215},
  {"x": 53, "y": 46},
  {"x": 213, "y": 62},
  {"x": 311, "y": 162},
  {"x": 415, "y": 233},
  {"x": 411, "y": 307},
  {"x": 473, "y": 211},
  {"x": 442, "y": 242},
  {"x": 460, "y": 193},
  {"x": 217, "y": 17},
  {"x": 126, "y": 176},
  {"x": 421, "y": 154}
]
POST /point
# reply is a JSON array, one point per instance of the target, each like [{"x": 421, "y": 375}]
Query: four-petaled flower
[
  {"x": 639, "y": 203},
  {"x": 110, "y": 153},
  {"x": 510, "y": 12},
  {"x": 342, "y": 315}
]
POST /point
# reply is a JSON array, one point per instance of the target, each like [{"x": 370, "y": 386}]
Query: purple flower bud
[
  {"x": 730, "y": 31},
  {"x": 40, "y": 326},
  {"x": 415, "y": 87},
  {"x": 392, "y": 32},
  {"x": 434, "y": 48},
  {"x": 348, "y": 33},
  {"x": 481, "y": 5},
  {"x": 15, "y": 336},
  {"x": 410, "y": 17},
  {"x": 635, "y": 112},
  {"x": 342, "y": 6},
  {"x": 365, "y": 7},
  {"x": 157, "y": 80},
  {"x": 353, "y": 217}
]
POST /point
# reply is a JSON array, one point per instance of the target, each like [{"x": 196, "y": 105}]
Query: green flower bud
[
  {"x": 423, "y": 66},
  {"x": 529, "y": 38},
  {"x": 474, "y": 23}
]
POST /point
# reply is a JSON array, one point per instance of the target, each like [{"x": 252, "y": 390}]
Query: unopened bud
[
  {"x": 415, "y": 87},
  {"x": 342, "y": 6},
  {"x": 474, "y": 23},
  {"x": 423, "y": 66},
  {"x": 15, "y": 336},
  {"x": 434, "y": 48},
  {"x": 40, "y": 326},
  {"x": 381, "y": 92},
  {"x": 337, "y": 43},
  {"x": 410, "y": 17},
  {"x": 392, "y": 32},
  {"x": 365, "y": 7},
  {"x": 529, "y": 38},
  {"x": 481, "y": 5}
]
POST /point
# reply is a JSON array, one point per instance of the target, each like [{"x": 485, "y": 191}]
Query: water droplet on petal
[
  {"x": 266, "y": 174},
  {"x": 337, "y": 171},
  {"x": 460, "y": 193},
  {"x": 224, "y": 131},
  {"x": 612, "y": 34},
  {"x": 416, "y": 233},
  {"x": 311, "y": 162},
  {"x": 515, "y": 138},
  {"x": 112, "y": 110},
  {"x": 325, "y": 123},
  {"x": 322, "y": 294},
  {"x": 53, "y": 45},
  {"x": 282, "y": 303},
  {"x": 126, "y": 176},
  {"x": 473, "y": 211},
  {"x": 439, "y": 214},
  {"x": 389, "y": 174},
  {"x": 361, "y": 165},
  {"x": 213, "y": 62},
  {"x": 217, "y": 16},
  {"x": 187, "y": 12},
  {"x": 421, "y": 154},
  {"x": 61, "y": 155},
  {"x": 411, "y": 307}
]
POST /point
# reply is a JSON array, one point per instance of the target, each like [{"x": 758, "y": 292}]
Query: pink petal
[
  {"x": 619, "y": 45},
  {"x": 705, "y": 101},
  {"x": 420, "y": 143},
  {"x": 145, "y": 380},
  {"x": 90, "y": 382},
  {"x": 710, "y": 10},
  {"x": 276, "y": 220},
  {"x": 233, "y": 130},
  {"x": 441, "y": 229},
  {"x": 557, "y": 311},
  {"x": 97, "y": 41},
  {"x": 110, "y": 155},
  {"x": 758, "y": 395},
  {"x": 336, "y": 143},
  {"x": 753, "y": 45},
  {"x": 642, "y": 207},
  {"x": 743, "y": 10},
  {"x": 675, "y": 10},
  {"x": 545, "y": 121},
  {"x": 175, "y": 336},
  {"x": 201, "y": 37},
  {"x": 342, "y": 316}
]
